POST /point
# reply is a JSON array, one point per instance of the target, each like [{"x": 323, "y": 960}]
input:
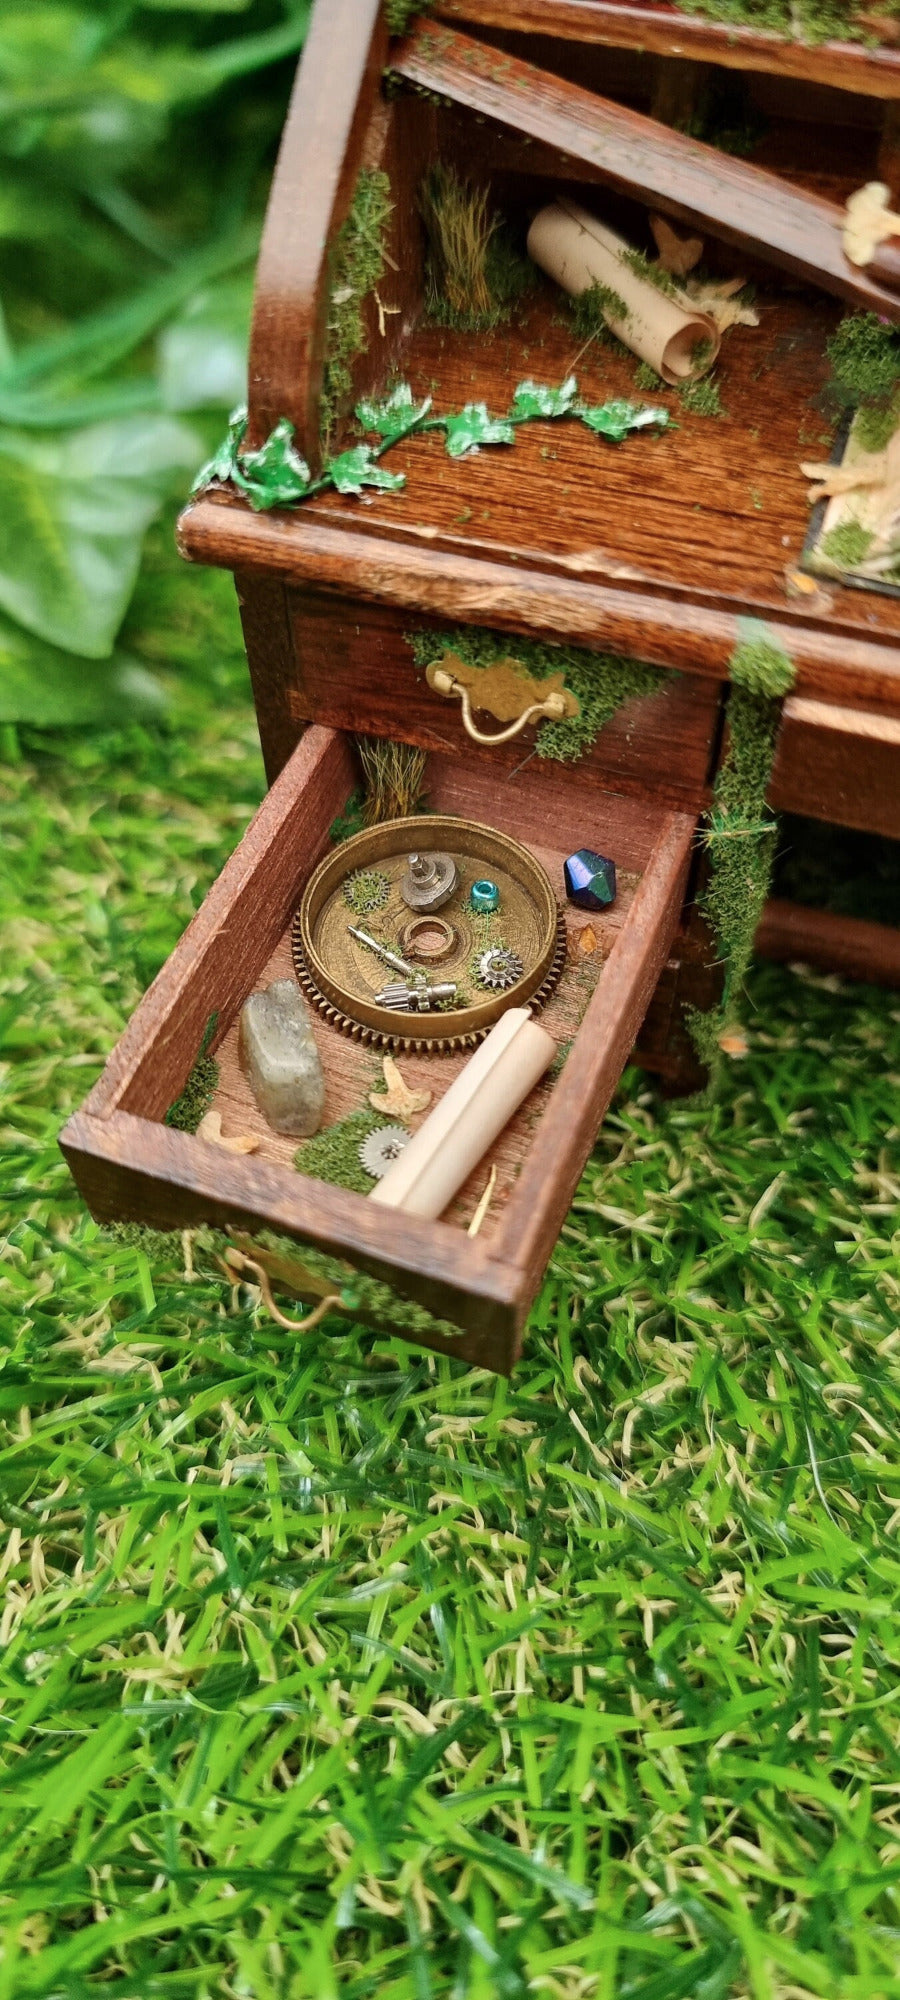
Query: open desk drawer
[{"x": 131, "y": 1166}]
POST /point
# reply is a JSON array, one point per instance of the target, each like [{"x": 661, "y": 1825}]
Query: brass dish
[{"x": 341, "y": 977}]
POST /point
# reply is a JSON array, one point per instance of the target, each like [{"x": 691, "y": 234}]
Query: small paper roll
[
  {"x": 578, "y": 251},
  {"x": 470, "y": 1116}
]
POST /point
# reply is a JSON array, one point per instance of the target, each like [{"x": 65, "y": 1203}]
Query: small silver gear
[
  {"x": 499, "y": 968},
  {"x": 379, "y": 1149}
]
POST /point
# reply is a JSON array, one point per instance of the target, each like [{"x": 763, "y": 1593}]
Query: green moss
[
  {"x": 846, "y": 545},
  {"x": 358, "y": 266},
  {"x": 602, "y": 682},
  {"x": 187, "y": 1111},
  {"x": 351, "y": 820},
  {"x": 333, "y": 1154},
  {"x": 875, "y": 423},
  {"x": 652, "y": 273},
  {"x": 594, "y": 308},
  {"x": 810, "y": 21},
  {"x": 758, "y": 664},
  {"x": 646, "y": 377},
  {"x": 865, "y": 360},
  {"x": 702, "y": 398},
  {"x": 400, "y": 13}
]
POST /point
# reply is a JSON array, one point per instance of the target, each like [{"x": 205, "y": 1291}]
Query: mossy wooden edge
[
  {"x": 741, "y": 834},
  {"x": 359, "y": 263},
  {"x": 601, "y": 682},
  {"x": 362, "y": 1298}
]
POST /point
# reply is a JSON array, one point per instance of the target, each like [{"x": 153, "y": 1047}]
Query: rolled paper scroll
[
  {"x": 676, "y": 339},
  {"x": 470, "y": 1116}
]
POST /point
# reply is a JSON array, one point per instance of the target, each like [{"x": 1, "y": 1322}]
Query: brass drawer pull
[{"x": 557, "y": 704}]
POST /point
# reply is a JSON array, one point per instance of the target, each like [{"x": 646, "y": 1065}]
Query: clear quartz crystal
[{"x": 279, "y": 1056}]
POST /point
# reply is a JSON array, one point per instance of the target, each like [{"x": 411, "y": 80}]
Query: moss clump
[
  {"x": 702, "y": 398},
  {"x": 593, "y": 308},
  {"x": 846, "y": 545},
  {"x": 875, "y": 423},
  {"x": 333, "y": 1154},
  {"x": 653, "y": 274},
  {"x": 602, "y": 682},
  {"x": 351, "y": 820},
  {"x": 473, "y": 272},
  {"x": 192, "y": 1105},
  {"x": 865, "y": 360},
  {"x": 358, "y": 266},
  {"x": 646, "y": 377},
  {"x": 399, "y": 13},
  {"x": 758, "y": 664}
]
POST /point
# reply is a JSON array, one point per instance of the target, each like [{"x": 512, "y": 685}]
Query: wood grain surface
[
  {"x": 836, "y": 763},
  {"x": 318, "y": 163},
  {"x": 738, "y": 202},
  {"x": 359, "y": 673},
  {"x": 668, "y": 31},
  {"x": 655, "y": 547},
  {"x": 793, "y": 932}
]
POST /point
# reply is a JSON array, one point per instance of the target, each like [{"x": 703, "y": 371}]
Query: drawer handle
[{"x": 555, "y": 706}]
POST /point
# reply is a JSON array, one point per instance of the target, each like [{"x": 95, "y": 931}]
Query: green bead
[{"x": 485, "y": 897}]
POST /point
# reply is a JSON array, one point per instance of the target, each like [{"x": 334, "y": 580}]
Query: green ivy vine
[{"x": 276, "y": 475}]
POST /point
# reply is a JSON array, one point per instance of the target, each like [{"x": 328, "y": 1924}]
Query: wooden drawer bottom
[{"x": 131, "y": 1166}]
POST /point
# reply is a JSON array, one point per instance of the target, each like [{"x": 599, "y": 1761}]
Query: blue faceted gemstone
[{"x": 590, "y": 879}]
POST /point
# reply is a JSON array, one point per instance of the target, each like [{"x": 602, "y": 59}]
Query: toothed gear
[
  {"x": 381, "y": 1148},
  {"x": 499, "y": 968}
]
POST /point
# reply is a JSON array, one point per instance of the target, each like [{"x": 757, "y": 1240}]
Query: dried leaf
[
  {"x": 210, "y": 1129},
  {"x": 722, "y": 303},
  {"x": 398, "y": 1100},
  {"x": 587, "y": 941},
  {"x": 677, "y": 254}
]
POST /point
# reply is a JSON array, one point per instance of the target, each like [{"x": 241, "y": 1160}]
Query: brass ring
[{"x": 414, "y": 936}]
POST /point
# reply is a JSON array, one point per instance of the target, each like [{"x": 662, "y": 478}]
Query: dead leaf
[
  {"x": 722, "y": 302},
  {"x": 210, "y": 1129},
  {"x": 734, "y": 1043},
  {"x": 587, "y": 941},
  {"x": 677, "y": 254},
  {"x": 398, "y": 1101}
]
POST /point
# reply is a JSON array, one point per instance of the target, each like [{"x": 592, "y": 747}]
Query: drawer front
[
  {"x": 840, "y": 764},
  {"x": 131, "y": 1166},
  {"x": 353, "y": 668}
]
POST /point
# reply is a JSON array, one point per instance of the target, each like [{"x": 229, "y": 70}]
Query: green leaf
[
  {"x": 273, "y": 476},
  {"x": 76, "y": 507},
  {"x": 615, "y": 420},
  {"x": 357, "y": 468},
  {"x": 396, "y": 416},
  {"x": 474, "y": 427},
  {"x": 41, "y": 685},
  {"x": 224, "y": 460},
  {"x": 534, "y": 399},
  {"x": 202, "y": 352}
]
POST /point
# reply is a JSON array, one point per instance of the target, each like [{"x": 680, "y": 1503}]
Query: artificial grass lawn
[{"x": 334, "y": 1668}]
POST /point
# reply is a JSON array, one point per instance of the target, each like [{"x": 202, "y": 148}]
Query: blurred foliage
[{"x": 136, "y": 140}]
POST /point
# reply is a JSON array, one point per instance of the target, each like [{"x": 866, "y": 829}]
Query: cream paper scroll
[
  {"x": 470, "y": 1116},
  {"x": 578, "y": 251}
]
